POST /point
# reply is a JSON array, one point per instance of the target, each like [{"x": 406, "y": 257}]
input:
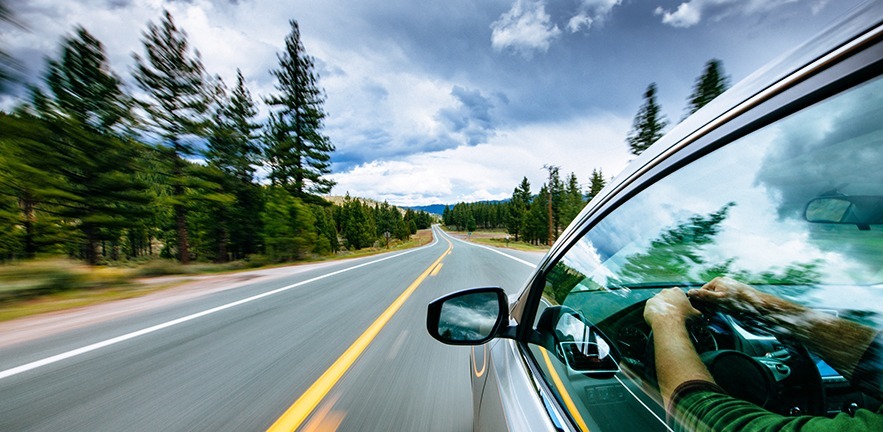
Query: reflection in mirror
[
  {"x": 858, "y": 210},
  {"x": 583, "y": 349},
  {"x": 470, "y": 317},
  {"x": 826, "y": 210}
]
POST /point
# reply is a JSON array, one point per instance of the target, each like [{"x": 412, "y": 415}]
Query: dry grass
[
  {"x": 51, "y": 285},
  {"x": 498, "y": 239},
  {"x": 72, "y": 299}
]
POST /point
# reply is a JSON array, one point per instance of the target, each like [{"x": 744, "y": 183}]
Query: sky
[{"x": 452, "y": 101}]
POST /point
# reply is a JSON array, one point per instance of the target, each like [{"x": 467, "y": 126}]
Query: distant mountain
[{"x": 438, "y": 209}]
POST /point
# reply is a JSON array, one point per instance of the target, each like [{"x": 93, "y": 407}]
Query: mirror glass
[
  {"x": 829, "y": 210},
  {"x": 859, "y": 210},
  {"x": 469, "y": 317}
]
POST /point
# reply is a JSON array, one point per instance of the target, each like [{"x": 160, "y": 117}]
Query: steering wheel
[{"x": 785, "y": 381}]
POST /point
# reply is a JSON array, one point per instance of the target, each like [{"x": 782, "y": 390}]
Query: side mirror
[
  {"x": 469, "y": 317},
  {"x": 861, "y": 211}
]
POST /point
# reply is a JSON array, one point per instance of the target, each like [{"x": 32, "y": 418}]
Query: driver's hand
[
  {"x": 730, "y": 294},
  {"x": 669, "y": 305}
]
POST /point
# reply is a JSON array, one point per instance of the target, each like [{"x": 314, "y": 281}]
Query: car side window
[{"x": 794, "y": 209}]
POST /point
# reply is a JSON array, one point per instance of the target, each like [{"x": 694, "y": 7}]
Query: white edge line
[
  {"x": 527, "y": 263},
  {"x": 98, "y": 345},
  {"x": 645, "y": 405}
]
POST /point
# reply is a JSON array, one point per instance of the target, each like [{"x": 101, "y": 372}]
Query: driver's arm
[
  {"x": 677, "y": 362},
  {"x": 697, "y": 403},
  {"x": 841, "y": 343}
]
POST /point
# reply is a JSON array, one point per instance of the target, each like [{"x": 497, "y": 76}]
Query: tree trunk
[
  {"x": 181, "y": 222},
  {"x": 180, "y": 210},
  {"x": 223, "y": 237},
  {"x": 91, "y": 247},
  {"x": 30, "y": 218}
]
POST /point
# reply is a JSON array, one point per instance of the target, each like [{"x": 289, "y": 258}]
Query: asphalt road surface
[{"x": 329, "y": 347}]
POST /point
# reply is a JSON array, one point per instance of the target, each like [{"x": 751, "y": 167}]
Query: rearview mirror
[
  {"x": 862, "y": 211},
  {"x": 577, "y": 342},
  {"x": 469, "y": 317}
]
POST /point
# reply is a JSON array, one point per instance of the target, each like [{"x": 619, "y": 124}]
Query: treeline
[
  {"x": 525, "y": 215},
  {"x": 92, "y": 171}
]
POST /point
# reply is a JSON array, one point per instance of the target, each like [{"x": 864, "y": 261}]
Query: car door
[{"x": 732, "y": 201}]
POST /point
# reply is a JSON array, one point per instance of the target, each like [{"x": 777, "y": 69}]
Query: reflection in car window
[{"x": 739, "y": 212}]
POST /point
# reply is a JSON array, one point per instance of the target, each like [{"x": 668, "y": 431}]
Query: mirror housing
[
  {"x": 860, "y": 210},
  {"x": 469, "y": 317}
]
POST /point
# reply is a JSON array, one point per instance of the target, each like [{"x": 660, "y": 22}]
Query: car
[{"x": 778, "y": 185}]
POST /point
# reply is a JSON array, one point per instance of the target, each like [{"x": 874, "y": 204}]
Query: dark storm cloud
[
  {"x": 366, "y": 145},
  {"x": 471, "y": 119},
  {"x": 118, "y": 4}
]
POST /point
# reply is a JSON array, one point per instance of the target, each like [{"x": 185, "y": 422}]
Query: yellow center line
[
  {"x": 437, "y": 269},
  {"x": 301, "y": 409},
  {"x": 568, "y": 401}
]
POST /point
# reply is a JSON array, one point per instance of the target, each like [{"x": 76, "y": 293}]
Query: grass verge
[
  {"x": 498, "y": 239},
  {"x": 51, "y": 285}
]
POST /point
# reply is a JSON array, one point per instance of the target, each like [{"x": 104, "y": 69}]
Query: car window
[{"x": 793, "y": 209}]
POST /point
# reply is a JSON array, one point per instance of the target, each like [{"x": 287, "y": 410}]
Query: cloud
[
  {"x": 490, "y": 171},
  {"x": 525, "y": 29},
  {"x": 471, "y": 119},
  {"x": 686, "y": 15},
  {"x": 690, "y": 13},
  {"x": 590, "y": 12},
  {"x": 578, "y": 22}
]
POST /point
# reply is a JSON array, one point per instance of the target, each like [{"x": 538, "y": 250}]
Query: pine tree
[
  {"x": 87, "y": 112},
  {"x": 289, "y": 226},
  {"x": 536, "y": 222},
  {"x": 648, "y": 123},
  {"x": 327, "y": 242},
  {"x": 573, "y": 200},
  {"x": 298, "y": 153},
  {"x": 178, "y": 101},
  {"x": 28, "y": 177},
  {"x": 518, "y": 208},
  {"x": 356, "y": 224},
  {"x": 596, "y": 183},
  {"x": 233, "y": 149},
  {"x": 708, "y": 86},
  {"x": 85, "y": 89},
  {"x": 555, "y": 187},
  {"x": 233, "y": 143}
]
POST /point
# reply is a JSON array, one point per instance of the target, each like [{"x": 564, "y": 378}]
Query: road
[{"x": 330, "y": 347}]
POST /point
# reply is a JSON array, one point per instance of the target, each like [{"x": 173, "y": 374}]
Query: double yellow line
[{"x": 294, "y": 417}]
